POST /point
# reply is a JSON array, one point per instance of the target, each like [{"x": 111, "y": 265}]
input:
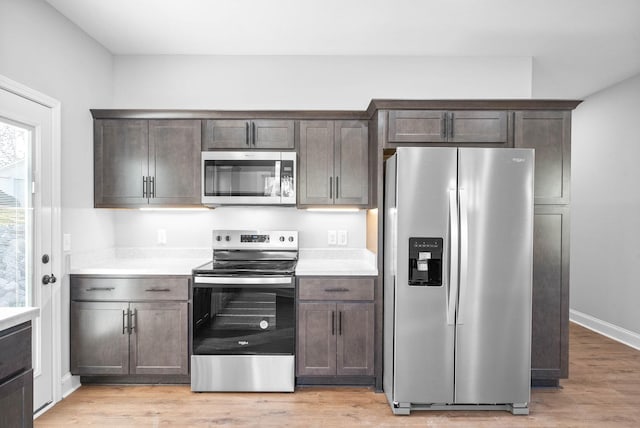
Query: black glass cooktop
[{"x": 248, "y": 267}]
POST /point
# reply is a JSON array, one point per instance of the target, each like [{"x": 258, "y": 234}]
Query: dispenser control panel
[{"x": 425, "y": 262}]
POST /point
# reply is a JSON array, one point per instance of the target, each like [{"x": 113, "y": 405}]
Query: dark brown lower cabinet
[
  {"x": 335, "y": 339},
  {"x": 146, "y": 337},
  {"x": 16, "y": 377},
  {"x": 550, "y": 323}
]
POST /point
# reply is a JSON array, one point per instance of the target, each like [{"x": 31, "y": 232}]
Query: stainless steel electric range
[{"x": 243, "y": 313}]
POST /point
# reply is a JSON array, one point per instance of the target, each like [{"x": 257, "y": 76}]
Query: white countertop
[
  {"x": 140, "y": 261},
  {"x": 10, "y": 317},
  {"x": 153, "y": 261},
  {"x": 336, "y": 261}
]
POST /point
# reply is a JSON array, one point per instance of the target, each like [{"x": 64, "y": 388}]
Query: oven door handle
[{"x": 233, "y": 280}]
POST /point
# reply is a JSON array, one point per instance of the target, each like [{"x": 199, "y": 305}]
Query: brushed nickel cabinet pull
[
  {"x": 124, "y": 320},
  {"x": 333, "y": 323},
  {"x": 100, "y": 288},
  {"x": 158, "y": 290},
  {"x": 144, "y": 187},
  {"x": 330, "y": 187},
  {"x": 336, "y": 290},
  {"x": 337, "y": 188},
  {"x": 246, "y": 126},
  {"x": 134, "y": 320},
  {"x": 340, "y": 323}
]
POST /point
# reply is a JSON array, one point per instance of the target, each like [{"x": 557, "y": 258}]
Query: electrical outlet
[
  {"x": 342, "y": 237},
  {"x": 162, "y": 236},
  {"x": 331, "y": 237}
]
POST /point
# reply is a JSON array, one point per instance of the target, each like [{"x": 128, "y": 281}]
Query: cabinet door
[
  {"x": 316, "y": 353},
  {"x": 550, "y": 318},
  {"x": 549, "y": 132},
  {"x": 99, "y": 338},
  {"x": 478, "y": 127},
  {"x": 174, "y": 162},
  {"x": 417, "y": 126},
  {"x": 16, "y": 401},
  {"x": 159, "y": 338},
  {"x": 273, "y": 134},
  {"x": 121, "y": 155},
  {"x": 355, "y": 345},
  {"x": 226, "y": 134},
  {"x": 315, "y": 174},
  {"x": 351, "y": 163}
]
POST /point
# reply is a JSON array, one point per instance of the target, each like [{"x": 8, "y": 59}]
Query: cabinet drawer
[
  {"x": 15, "y": 350},
  {"x": 110, "y": 288},
  {"x": 322, "y": 288}
]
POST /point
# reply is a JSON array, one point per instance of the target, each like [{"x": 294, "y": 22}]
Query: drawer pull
[
  {"x": 158, "y": 290},
  {"x": 101, "y": 288},
  {"x": 336, "y": 290}
]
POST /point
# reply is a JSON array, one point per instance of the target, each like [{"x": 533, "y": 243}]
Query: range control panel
[
  {"x": 255, "y": 240},
  {"x": 425, "y": 262}
]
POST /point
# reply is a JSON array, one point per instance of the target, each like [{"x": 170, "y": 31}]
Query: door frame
[{"x": 54, "y": 107}]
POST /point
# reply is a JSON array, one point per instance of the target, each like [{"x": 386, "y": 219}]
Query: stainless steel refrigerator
[{"x": 458, "y": 250}]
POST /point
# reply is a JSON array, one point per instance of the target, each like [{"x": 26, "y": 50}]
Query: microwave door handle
[{"x": 277, "y": 183}]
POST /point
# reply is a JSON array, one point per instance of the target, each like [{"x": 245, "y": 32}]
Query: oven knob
[
  {"x": 291, "y": 239},
  {"x": 227, "y": 238},
  {"x": 218, "y": 238},
  {"x": 281, "y": 239}
]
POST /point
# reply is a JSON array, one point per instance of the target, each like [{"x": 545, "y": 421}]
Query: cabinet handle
[
  {"x": 152, "y": 181},
  {"x": 100, "y": 288},
  {"x": 124, "y": 320},
  {"x": 333, "y": 323},
  {"x": 246, "y": 127},
  {"x": 451, "y": 125},
  {"x": 340, "y": 323},
  {"x": 337, "y": 188},
  {"x": 253, "y": 132},
  {"x": 336, "y": 290},
  {"x": 330, "y": 187},
  {"x": 158, "y": 290},
  {"x": 134, "y": 320},
  {"x": 444, "y": 126},
  {"x": 144, "y": 187}
]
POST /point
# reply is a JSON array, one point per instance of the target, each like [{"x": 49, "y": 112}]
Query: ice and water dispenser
[{"x": 425, "y": 262}]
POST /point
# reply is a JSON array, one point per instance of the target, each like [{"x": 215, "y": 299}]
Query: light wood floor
[{"x": 603, "y": 390}]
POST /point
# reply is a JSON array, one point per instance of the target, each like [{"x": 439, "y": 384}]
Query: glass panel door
[{"x": 16, "y": 215}]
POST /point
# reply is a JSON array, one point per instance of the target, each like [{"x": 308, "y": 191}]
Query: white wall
[
  {"x": 605, "y": 208},
  {"x": 41, "y": 49},
  {"x": 310, "y": 82},
  {"x": 193, "y": 229}
]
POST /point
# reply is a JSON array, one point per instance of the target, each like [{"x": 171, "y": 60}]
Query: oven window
[
  {"x": 243, "y": 321},
  {"x": 241, "y": 178}
]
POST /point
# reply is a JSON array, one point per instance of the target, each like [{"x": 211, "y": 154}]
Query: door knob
[{"x": 49, "y": 279}]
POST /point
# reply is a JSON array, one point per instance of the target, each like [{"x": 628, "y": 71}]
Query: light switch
[{"x": 66, "y": 242}]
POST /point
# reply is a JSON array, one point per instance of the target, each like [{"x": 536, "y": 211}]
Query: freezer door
[
  {"x": 424, "y": 335},
  {"x": 493, "y": 335}
]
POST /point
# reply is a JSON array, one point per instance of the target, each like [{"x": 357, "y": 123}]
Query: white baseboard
[
  {"x": 69, "y": 384},
  {"x": 612, "y": 331}
]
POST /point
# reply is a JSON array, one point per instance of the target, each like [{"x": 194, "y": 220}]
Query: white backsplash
[{"x": 192, "y": 229}]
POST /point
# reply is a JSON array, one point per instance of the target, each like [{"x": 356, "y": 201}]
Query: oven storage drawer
[
  {"x": 121, "y": 288},
  {"x": 327, "y": 288}
]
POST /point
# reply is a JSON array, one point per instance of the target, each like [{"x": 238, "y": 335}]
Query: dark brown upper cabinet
[
  {"x": 549, "y": 133},
  {"x": 146, "y": 162},
  {"x": 264, "y": 134},
  {"x": 334, "y": 165},
  {"x": 439, "y": 126}
]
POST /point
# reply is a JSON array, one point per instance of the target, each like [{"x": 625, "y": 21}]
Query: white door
[{"x": 26, "y": 224}]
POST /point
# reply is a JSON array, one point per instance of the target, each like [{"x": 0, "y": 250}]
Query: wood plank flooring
[{"x": 603, "y": 390}]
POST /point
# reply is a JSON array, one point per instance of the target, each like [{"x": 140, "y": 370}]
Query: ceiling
[{"x": 590, "y": 37}]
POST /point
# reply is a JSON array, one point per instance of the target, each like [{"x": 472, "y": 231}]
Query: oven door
[
  {"x": 243, "y": 315},
  {"x": 243, "y": 178}
]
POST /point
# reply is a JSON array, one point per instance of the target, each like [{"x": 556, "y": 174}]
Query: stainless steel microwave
[{"x": 248, "y": 178}]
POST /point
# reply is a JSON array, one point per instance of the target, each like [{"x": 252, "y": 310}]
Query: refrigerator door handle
[
  {"x": 464, "y": 250},
  {"x": 452, "y": 291}
]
